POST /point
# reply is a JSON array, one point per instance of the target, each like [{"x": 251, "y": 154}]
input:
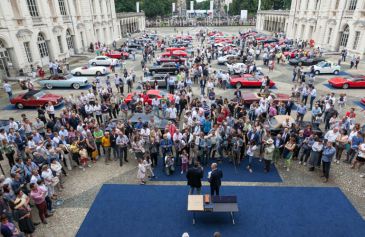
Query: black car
[
  {"x": 161, "y": 80},
  {"x": 305, "y": 61},
  {"x": 165, "y": 68}
]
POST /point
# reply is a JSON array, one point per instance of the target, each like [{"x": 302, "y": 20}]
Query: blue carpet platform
[
  {"x": 230, "y": 173},
  {"x": 160, "y": 211},
  {"x": 13, "y": 107}
]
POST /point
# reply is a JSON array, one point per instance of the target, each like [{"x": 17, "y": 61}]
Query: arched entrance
[
  {"x": 4, "y": 60},
  {"x": 344, "y": 36},
  {"x": 43, "y": 49},
  {"x": 70, "y": 42}
]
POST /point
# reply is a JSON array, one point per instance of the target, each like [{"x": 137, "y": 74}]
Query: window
[
  {"x": 28, "y": 52},
  {"x": 32, "y": 6},
  {"x": 345, "y": 36},
  {"x": 69, "y": 41},
  {"x": 357, "y": 39},
  {"x": 337, "y": 4},
  {"x": 62, "y": 5},
  {"x": 42, "y": 46},
  {"x": 329, "y": 35},
  {"x": 60, "y": 43},
  {"x": 352, "y": 5},
  {"x": 4, "y": 52},
  {"x": 317, "y": 4}
]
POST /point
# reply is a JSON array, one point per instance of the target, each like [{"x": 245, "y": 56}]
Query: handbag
[
  {"x": 94, "y": 154},
  {"x": 55, "y": 181}
]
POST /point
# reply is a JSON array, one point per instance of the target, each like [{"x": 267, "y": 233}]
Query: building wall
[
  {"x": 328, "y": 23},
  {"x": 86, "y": 21},
  {"x": 130, "y": 22},
  {"x": 332, "y": 24}
]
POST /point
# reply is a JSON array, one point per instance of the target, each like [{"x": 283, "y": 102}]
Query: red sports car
[
  {"x": 35, "y": 98},
  {"x": 250, "y": 98},
  {"x": 169, "y": 59},
  {"x": 248, "y": 80},
  {"x": 362, "y": 101},
  {"x": 150, "y": 94},
  {"x": 291, "y": 53},
  {"x": 177, "y": 53},
  {"x": 353, "y": 81},
  {"x": 117, "y": 55},
  {"x": 172, "y": 49}
]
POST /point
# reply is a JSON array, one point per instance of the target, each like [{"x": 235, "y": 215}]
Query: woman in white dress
[{"x": 141, "y": 173}]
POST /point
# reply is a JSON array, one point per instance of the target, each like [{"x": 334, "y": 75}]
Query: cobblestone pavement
[{"x": 82, "y": 187}]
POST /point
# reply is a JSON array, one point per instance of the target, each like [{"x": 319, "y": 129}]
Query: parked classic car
[
  {"x": 326, "y": 67},
  {"x": 237, "y": 68},
  {"x": 250, "y": 98},
  {"x": 35, "y": 98},
  {"x": 89, "y": 70},
  {"x": 168, "y": 59},
  {"x": 103, "y": 61},
  {"x": 165, "y": 68},
  {"x": 305, "y": 61},
  {"x": 352, "y": 81},
  {"x": 362, "y": 101},
  {"x": 230, "y": 59},
  {"x": 160, "y": 78},
  {"x": 63, "y": 81},
  {"x": 275, "y": 125},
  {"x": 118, "y": 55},
  {"x": 149, "y": 95},
  {"x": 248, "y": 80}
]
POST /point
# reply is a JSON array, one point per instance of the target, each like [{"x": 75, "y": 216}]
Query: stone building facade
[
  {"x": 130, "y": 22},
  {"x": 34, "y": 32},
  {"x": 332, "y": 24}
]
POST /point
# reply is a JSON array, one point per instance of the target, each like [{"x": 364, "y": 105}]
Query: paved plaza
[{"x": 82, "y": 187}]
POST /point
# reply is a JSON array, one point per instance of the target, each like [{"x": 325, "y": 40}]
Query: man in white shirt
[
  {"x": 50, "y": 111},
  {"x": 8, "y": 89},
  {"x": 331, "y": 135},
  {"x": 172, "y": 112}
]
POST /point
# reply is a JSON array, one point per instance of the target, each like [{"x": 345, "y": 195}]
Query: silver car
[{"x": 160, "y": 78}]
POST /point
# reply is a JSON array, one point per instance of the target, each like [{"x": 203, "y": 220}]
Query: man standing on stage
[
  {"x": 215, "y": 177},
  {"x": 194, "y": 176}
]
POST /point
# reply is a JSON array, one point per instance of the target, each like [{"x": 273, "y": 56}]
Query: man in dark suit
[
  {"x": 194, "y": 176},
  {"x": 215, "y": 177}
]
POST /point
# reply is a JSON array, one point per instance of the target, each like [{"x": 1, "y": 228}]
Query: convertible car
[
  {"x": 354, "y": 81},
  {"x": 250, "y": 98},
  {"x": 275, "y": 125},
  {"x": 89, "y": 71},
  {"x": 103, "y": 61},
  {"x": 305, "y": 61},
  {"x": 150, "y": 94},
  {"x": 248, "y": 80},
  {"x": 35, "y": 98},
  {"x": 118, "y": 55},
  {"x": 63, "y": 81}
]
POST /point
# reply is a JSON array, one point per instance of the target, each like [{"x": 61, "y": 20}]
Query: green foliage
[
  {"x": 125, "y": 5},
  {"x": 251, "y": 6}
]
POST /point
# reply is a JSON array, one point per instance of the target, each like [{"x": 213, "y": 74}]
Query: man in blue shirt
[
  {"x": 301, "y": 110},
  {"x": 328, "y": 153},
  {"x": 355, "y": 142}
]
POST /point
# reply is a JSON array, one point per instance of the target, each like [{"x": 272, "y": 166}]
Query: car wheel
[
  {"x": 49, "y": 86},
  {"x": 78, "y": 73},
  {"x": 317, "y": 72},
  {"x": 94, "y": 64},
  {"x": 19, "y": 105},
  {"x": 336, "y": 72},
  {"x": 238, "y": 85},
  {"x": 76, "y": 86},
  {"x": 345, "y": 86},
  {"x": 98, "y": 73}
]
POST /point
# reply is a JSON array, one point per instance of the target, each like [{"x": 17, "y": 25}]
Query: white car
[
  {"x": 326, "y": 67},
  {"x": 237, "y": 68},
  {"x": 103, "y": 61},
  {"x": 229, "y": 58},
  {"x": 89, "y": 70}
]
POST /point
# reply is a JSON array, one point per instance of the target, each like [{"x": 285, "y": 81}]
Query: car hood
[
  {"x": 282, "y": 96},
  {"x": 249, "y": 96},
  {"x": 50, "y": 97},
  {"x": 338, "y": 80}
]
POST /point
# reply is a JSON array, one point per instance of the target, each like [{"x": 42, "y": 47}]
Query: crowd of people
[{"x": 202, "y": 128}]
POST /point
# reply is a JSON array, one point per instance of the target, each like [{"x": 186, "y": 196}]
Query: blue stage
[
  {"x": 230, "y": 172},
  {"x": 161, "y": 211}
]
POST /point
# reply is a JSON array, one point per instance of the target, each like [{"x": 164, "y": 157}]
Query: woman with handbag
[{"x": 50, "y": 180}]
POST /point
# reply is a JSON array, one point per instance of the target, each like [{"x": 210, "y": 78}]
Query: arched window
[
  {"x": 70, "y": 44},
  {"x": 4, "y": 59},
  {"x": 42, "y": 46},
  {"x": 344, "y": 36},
  {"x": 33, "y": 9}
]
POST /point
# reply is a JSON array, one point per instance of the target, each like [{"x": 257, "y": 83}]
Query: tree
[{"x": 125, "y": 5}]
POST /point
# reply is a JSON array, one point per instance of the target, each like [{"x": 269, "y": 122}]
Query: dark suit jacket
[
  {"x": 215, "y": 178},
  {"x": 194, "y": 176}
]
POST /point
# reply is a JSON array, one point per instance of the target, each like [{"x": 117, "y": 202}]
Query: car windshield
[
  {"x": 39, "y": 94},
  {"x": 321, "y": 64},
  {"x": 273, "y": 122},
  {"x": 69, "y": 76}
]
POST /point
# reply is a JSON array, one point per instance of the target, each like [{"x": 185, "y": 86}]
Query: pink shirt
[{"x": 38, "y": 195}]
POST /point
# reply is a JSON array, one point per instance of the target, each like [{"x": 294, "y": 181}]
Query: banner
[
  {"x": 192, "y": 5},
  {"x": 211, "y": 5},
  {"x": 137, "y": 6},
  {"x": 173, "y": 7},
  {"x": 243, "y": 14}
]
